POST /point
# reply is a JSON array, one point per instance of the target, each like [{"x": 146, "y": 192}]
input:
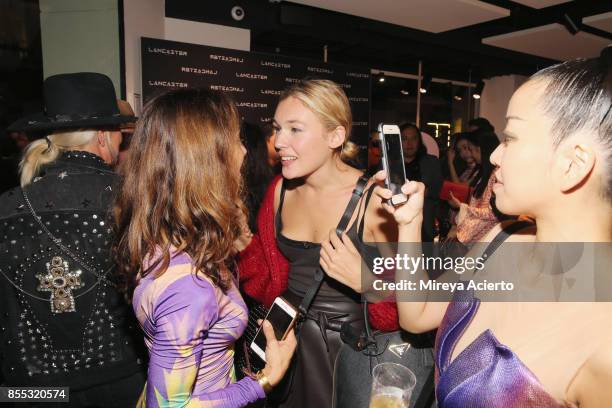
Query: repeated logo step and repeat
[{"x": 254, "y": 80}]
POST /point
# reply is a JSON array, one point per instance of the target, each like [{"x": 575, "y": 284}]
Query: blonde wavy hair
[
  {"x": 329, "y": 103},
  {"x": 181, "y": 191},
  {"x": 47, "y": 150}
]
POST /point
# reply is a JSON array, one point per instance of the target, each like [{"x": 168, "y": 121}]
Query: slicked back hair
[{"x": 577, "y": 97}]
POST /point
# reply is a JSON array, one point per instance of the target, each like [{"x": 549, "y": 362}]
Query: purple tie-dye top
[
  {"x": 190, "y": 327},
  {"x": 486, "y": 373}
]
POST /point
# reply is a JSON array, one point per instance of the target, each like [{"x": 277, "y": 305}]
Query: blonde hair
[
  {"x": 329, "y": 103},
  {"x": 47, "y": 150}
]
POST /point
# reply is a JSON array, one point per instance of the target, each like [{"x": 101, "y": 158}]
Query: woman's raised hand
[
  {"x": 450, "y": 155},
  {"x": 409, "y": 211},
  {"x": 341, "y": 260}
]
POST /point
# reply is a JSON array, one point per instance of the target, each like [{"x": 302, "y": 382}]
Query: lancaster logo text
[
  {"x": 200, "y": 71},
  {"x": 275, "y": 64},
  {"x": 252, "y": 105},
  {"x": 169, "y": 84},
  {"x": 320, "y": 70},
  {"x": 248, "y": 75},
  {"x": 226, "y": 88},
  {"x": 225, "y": 58},
  {"x": 270, "y": 92},
  {"x": 165, "y": 51}
]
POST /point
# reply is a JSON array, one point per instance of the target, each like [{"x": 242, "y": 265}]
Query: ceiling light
[
  {"x": 404, "y": 92},
  {"x": 425, "y": 83},
  {"x": 458, "y": 94},
  {"x": 478, "y": 90}
]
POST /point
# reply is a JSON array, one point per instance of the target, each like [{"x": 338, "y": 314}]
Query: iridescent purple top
[
  {"x": 190, "y": 327},
  {"x": 486, "y": 373}
]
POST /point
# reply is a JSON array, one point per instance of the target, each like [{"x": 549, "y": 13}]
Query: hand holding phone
[
  {"x": 393, "y": 162},
  {"x": 282, "y": 316},
  {"x": 407, "y": 212},
  {"x": 279, "y": 353}
]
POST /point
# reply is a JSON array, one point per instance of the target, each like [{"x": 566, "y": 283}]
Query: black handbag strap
[
  {"x": 428, "y": 392},
  {"x": 344, "y": 220},
  {"x": 502, "y": 236}
]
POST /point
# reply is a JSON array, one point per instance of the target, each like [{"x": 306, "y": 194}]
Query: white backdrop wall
[
  {"x": 146, "y": 18},
  {"x": 496, "y": 95},
  {"x": 141, "y": 18}
]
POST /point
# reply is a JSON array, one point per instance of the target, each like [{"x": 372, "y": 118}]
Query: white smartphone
[
  {"x": 282, "y": 316},
  {"x": 393, "y": 161}
]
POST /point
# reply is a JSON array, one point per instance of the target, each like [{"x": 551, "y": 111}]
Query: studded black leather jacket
[{"x": 61, "y": 320}]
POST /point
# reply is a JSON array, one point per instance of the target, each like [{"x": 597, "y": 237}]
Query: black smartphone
[{"x": 393, "y": 161}]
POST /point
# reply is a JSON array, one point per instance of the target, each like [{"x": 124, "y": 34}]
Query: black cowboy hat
[{"x": 72, "y": 101}]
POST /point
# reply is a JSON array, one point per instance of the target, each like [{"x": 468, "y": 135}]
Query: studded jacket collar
[{"x": 59, "y": 321}]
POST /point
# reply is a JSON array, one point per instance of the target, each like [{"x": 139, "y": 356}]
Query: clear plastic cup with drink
[{"x": 392, "y": 386}]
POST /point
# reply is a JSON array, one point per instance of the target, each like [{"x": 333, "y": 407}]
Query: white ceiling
[
  {"x": 550, "y": 41},
  {"x": 428, "y": 15},
  {"x": 601, "y": 21},
  {"x": 540, "y": 4}
]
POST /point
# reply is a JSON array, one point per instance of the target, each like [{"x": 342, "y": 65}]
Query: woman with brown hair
[{"x": 177, "y": 217}]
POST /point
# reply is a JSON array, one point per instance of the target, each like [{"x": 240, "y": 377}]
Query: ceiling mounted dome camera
[{"x": 238, "y": 13}]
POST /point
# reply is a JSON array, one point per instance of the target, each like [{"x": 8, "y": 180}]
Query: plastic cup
[{"x": 392, "y": 386}]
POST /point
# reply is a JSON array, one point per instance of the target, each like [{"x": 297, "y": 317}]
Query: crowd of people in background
[{"x": 129, "y": 246}]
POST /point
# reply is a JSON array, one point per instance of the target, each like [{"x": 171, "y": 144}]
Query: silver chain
[
  {"x": 58, "y": 243},
  {"x": 19, "y": 288}
]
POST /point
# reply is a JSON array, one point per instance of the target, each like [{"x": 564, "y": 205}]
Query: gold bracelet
[{"x": 263, "y": 381}]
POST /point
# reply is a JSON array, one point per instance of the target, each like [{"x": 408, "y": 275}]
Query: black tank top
[{"x": 303, "y": 256}]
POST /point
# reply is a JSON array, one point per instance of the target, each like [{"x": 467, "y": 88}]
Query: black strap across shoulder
[
  {"x": 344, "y": 220},
  {"x": 503, "y": 235},
  {"x": 365, "y": 206}
]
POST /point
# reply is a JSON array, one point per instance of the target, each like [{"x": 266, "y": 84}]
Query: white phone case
[
  {"x": 383, "y": 129},
  {"x": 287, "y": 308}
]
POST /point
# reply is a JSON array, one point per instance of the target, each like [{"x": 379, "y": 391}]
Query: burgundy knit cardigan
[{"x": 264, "y": 270}]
